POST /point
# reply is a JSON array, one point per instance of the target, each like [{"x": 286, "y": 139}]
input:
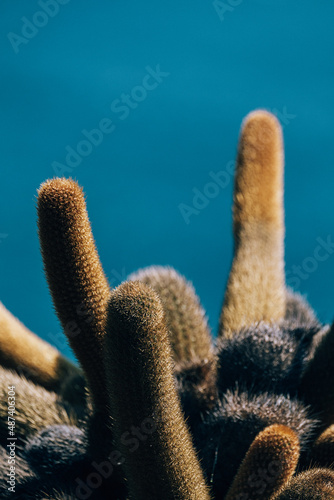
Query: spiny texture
[
  {"x": 265, "y": 357},
  {"x": 315, "y": 484},
  {"x": 298, "y": 312},
  {"x": 144, "y": 401},
  {"x": 22, "y": 471},
  {"x": 55, "y": 450},
  {"x": 35, "y": 407},
  {"x": 59, "y": 460},
  {"x": 191, "y": 342},
  {"x": 79, "y": 290},
  {"x": 187, "y": 325},
  {"x": 22, "y": 351},
  {"x": 224, "y": 435},
  {"x": 197, "y": 385},
  {"x": 256, "y": 289},
  {"x": 268, "y": 465},
  {"x": 319, "y": 375},
  {"x": 75, "y": 276},
  {"x": 167, "y": 415},
  {"x": 323, "y": 448}
]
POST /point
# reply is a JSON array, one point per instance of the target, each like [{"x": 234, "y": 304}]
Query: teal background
[{"x": 276, "y": 55}]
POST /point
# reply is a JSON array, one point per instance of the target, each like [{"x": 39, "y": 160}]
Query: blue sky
[{"x": 218, "y": 61}]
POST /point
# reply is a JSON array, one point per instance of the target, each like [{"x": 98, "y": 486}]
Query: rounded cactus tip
[
  {"x": 76, "y": 279},
  {"x": 261, "y": 119},
  {"x": 165, "y": 465},
  {"x": 261, "y": 139},
  {"x": 276, "y": 451},
  {"x": 256, "y": 286},
  {"x": 59, "y": 185},
  {"x": 313, "y": 484},
  {"x": 134, "y": 301}
]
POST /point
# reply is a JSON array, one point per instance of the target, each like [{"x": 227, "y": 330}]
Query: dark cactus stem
[
  {"x": 314, "y": 484},
  {"x": 323, "y": 448},
  {"x": 318, "y": 376}
]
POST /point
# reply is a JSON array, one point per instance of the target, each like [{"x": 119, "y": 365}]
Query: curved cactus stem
[
  {"x": 77, "y": 283},
  {"x": 26, "y": 353},
  {"x": 314, "y": 484},
  {"x": 150, "y": 432},
  {"x": 256, "y": 285},
  {"x": 268, "y": 465}
]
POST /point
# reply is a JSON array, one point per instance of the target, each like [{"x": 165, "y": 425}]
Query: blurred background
[{"x": 142, "y": 104}]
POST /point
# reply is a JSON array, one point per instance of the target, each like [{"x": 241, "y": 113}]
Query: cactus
[
  {"x": 77, "y": 283},
  {"x": 35, "y": 407},
  {"x": 157, "y": 409},
  {"x": 323, "y": 448},
  {"x": 314, "y": 484},
  {"x": 268, "y": 465},
  {"x": 143, "y": 398},
  {"x": 256, "y": 288},
  {"x": 31, "y": 356}
]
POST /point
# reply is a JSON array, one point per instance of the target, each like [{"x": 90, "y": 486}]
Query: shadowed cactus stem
[
  {"x": 35, "y": 407},
  {"x": 318, "y": 376},
  {"x": 256, "y": 286},
  {"x": 269, "y": 463},
  {"x": 323, "y": 448},
  {"x": 144, "y": 401},
  {"x": 314, "y": 484}
]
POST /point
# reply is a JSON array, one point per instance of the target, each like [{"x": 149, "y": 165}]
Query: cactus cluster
[{"x": 158, "y": 410}]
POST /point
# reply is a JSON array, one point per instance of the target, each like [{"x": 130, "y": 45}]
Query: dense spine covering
[
  {"x": 314, "y": 484},
  {"x": 268, "y": 465},
  {"x": 323, "y": 448},
  {"x": 26, "y": 353},
  {"x": 35, "y": 407},
  {"x": 189, "y": 333},
  {"x": 256, "y": 285},
  {"x": 319, "y": 375},
  {"x": 77, "y": 283},
  {"x": 149, "y": 427}
]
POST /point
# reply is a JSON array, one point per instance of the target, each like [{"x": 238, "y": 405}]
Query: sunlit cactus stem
[
  {"x": 77, "y": 283},
  {"x": 256, "y": 286},
  {"x": 148, "y": 424}
]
